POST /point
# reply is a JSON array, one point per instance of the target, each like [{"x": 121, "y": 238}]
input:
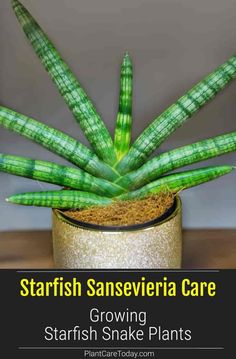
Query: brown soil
[{"x": 123, "y": 213}]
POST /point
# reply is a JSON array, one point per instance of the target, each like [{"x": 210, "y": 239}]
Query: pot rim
[{"x": 165, "y": 217}]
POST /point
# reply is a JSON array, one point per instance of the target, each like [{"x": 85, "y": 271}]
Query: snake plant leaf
[
  {"x": 179, "y": 157},
  {"x": 69, "y": 87},
  {"x": 61, "y": 175},
  {"x": 56, "y": 141},
  {"x": 179, "y": 181},
  {"x": 124, "y": 118},
  {"x": 176, "y": 115},
  {"x": 65, "y": 199}
]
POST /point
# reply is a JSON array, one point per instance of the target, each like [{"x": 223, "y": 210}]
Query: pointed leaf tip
[
  {"x": 12, "y": 199},
  {"x": 15, "y": 3},
  {"x": 127, "y": 58}
]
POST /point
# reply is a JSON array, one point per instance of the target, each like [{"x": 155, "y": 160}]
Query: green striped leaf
[
  {"x": 179, "y": 157},
  {"x": 57, "y": 142},
  {"x": 176, "y": 115},
  {"x": 124, "y": 118},
  {"x": 57, "y": 174},
  {"x": 179, "y": 181},
  {"x": 69, "y": 87},
  {"x": 66, "y": 199}
]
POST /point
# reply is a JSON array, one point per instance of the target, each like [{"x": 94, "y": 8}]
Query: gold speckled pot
[{"x": 156, "y": 246}]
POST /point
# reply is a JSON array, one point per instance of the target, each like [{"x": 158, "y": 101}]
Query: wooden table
[{"x": 202, "y": 249}]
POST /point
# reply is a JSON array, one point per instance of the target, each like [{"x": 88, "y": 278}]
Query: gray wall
[{"x": 173, "y": 43}]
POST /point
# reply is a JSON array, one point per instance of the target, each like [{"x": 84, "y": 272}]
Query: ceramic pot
[{"x": 155, "y": 244}]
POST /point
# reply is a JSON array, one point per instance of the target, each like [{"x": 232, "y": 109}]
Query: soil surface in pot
[{"x": 124, "y": 213}]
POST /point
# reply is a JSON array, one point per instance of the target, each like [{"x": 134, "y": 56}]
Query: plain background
[{"x": 173, "y": 43}]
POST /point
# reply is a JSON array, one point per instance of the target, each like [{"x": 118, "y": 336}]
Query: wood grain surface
[{"x": 201, "y": 249}]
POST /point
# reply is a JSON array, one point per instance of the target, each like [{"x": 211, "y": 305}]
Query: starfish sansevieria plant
[{"x": 113, "y": 169}]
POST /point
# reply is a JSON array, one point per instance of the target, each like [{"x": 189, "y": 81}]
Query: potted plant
[{"x": 117, "y": 209}]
